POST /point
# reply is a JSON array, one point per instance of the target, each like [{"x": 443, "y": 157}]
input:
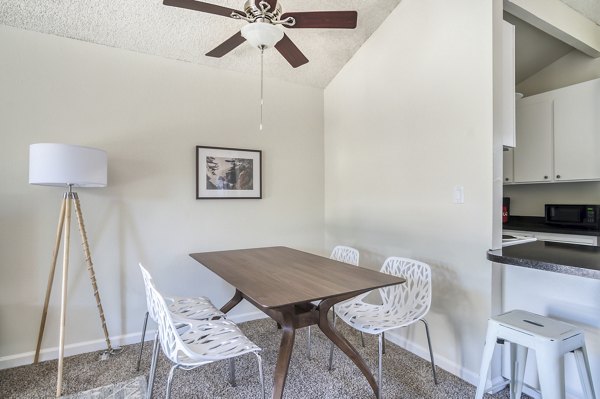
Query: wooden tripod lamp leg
[
  {"x": 59, "y": 229},
  {"x": 90, "y": 267},
  {"x": 63, "y": 298}
]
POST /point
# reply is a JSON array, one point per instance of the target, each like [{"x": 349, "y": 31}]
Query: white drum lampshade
[{"x": 52, "y": 164}]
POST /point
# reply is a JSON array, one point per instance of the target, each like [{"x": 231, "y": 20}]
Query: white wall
[
  {"x": 149, "y": 114},
  {"x": 409, "y": 117}
]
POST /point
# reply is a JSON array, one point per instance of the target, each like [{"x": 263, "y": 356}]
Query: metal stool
[{"x": 550, "y": 339}]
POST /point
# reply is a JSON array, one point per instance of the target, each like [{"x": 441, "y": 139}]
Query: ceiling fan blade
[
  {"x": 290, "y": 52},
  {"x": 323, "y": 19},
  {"x": 227, "y": 46},
  {"x": 203, "y": 7}
]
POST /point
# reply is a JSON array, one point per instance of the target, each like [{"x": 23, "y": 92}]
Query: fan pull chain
[{"x": 262, "y": 51}]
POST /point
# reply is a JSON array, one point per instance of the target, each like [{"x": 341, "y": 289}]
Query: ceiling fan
[{"x": 261, "y": 31}]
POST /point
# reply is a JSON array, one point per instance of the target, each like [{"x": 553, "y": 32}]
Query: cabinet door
[
  {"x": 507, "y": 166},
  {"x": 533, "y": 153},
  {"x": 577, "y": 133},
  {"x": 508, "y": 85}
]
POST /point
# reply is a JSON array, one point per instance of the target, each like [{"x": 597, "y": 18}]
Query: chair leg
[
  {"x": 232, "y": 371},
  {"x": 331, "y": 347},
  {"x": 137, "y": 368},
  {"x": 362, "y": 339},
  {"x": 585, "y": 374},
  {"x": 435, "y": 380},
  {"x": 152, "y": 367},
  {"x": 383, "y": 340},
  {"x": 380, "y": 379},
  {"x": 488, "y": 352},
  {"x": 309, "y": 342},
  {"x": 170, "y": 381},
  {"x": 518, "y": 359},
  {"x": 260, "y": 375}
]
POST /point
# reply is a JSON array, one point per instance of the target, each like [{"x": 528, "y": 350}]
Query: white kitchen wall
[
  {"x": 407, "y": 119},
  {"x": 529, "y": 199},
  {"x": 148, "y": 113}
]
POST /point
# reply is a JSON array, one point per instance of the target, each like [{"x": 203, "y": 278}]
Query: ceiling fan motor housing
[{"x": 260, "y": 10}]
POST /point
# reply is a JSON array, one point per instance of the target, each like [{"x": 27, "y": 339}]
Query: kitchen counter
[
  {"x": 577, "y": 260},
  {"x": 535, "y": 223}
]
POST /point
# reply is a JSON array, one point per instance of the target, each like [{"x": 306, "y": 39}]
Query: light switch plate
[{"x": 459, "y": 195}]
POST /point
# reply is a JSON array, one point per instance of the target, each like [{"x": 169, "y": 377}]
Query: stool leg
[
  {"x": 488, "y": 352},
  {"x": 551, "y": 370},
  {"x": 585, "y": 374},
  {"x": 518, "y": 358}
]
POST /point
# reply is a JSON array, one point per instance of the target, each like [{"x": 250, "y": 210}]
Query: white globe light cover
[
  {"x": 52, "y": 164},
  {"x": 262, "y": 34}
]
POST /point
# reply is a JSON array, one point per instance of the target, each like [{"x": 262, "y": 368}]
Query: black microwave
[{"x": 585, "y": 216}]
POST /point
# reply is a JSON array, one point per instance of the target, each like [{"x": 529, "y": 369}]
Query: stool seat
[
  {"x": 534, "y": 324},
  {"x": 550, "y": 339}
]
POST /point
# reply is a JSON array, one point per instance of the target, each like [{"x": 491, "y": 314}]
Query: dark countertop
[
  {"x": 577, "y": 260},
  {"x": 534, "y": 223}
]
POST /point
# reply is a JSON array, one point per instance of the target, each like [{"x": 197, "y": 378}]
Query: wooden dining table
[{"x": 283, "y": 282}]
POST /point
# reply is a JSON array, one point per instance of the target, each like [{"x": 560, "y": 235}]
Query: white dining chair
[
  {"x": 402, "y": 305},
  {"x": 193, "y": 308},
  {"x": 192, "y": 343},
  {"x": 344, "y": 254}
]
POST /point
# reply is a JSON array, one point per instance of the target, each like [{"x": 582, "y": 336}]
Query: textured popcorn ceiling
[
  {"x": 589, "y": 8},
  {"x": 147, "y": 26}
]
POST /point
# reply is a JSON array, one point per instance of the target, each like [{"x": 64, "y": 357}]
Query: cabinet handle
[
  {"x": 506, "y": 179},
  {"x": 558, "y": 176},
  {"x": 545, "y": 177}
]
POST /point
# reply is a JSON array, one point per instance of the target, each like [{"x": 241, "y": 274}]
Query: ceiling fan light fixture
[{"x": 262, "y": 34}]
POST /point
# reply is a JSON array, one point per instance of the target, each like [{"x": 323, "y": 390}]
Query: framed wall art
[{"x": 229, "y": 173}]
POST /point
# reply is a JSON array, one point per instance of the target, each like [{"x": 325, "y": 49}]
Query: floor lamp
[{"x": 69, "y": 166}]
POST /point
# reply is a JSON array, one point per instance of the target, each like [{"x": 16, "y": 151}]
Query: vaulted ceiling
[
  {"x": 147, "y": 26},
  {"x": 589, "y": 8},
  {"x": 536, "y": 49}
]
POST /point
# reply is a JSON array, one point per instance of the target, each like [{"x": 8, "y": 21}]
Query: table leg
[
  {"x": 329, "y": 330},
  {"x": 237, "y": 298},
  {"x": 285, "y": 354}
]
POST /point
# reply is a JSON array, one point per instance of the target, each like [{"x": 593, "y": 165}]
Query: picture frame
[{"x": 228, "y": 173}]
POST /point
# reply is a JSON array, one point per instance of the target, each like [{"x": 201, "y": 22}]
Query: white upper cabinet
[
  {"x": 507, "y": 165},
  {"x": 533, "y": 152},
  {"x": 577, "y": 132},
  {"x": 508, "y": 85}
]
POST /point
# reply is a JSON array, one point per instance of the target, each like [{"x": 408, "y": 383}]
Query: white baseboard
[
  {"x": 448, "y": 365},
  {"x": 21, "y": 359}
]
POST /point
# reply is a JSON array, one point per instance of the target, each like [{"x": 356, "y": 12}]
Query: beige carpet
[{"x": 405, "y": 375}]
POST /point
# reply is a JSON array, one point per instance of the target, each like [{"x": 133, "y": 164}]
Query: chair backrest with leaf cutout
[
  {"x": 414, "y": 296},
  {"x": 345, "y": 254}
]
